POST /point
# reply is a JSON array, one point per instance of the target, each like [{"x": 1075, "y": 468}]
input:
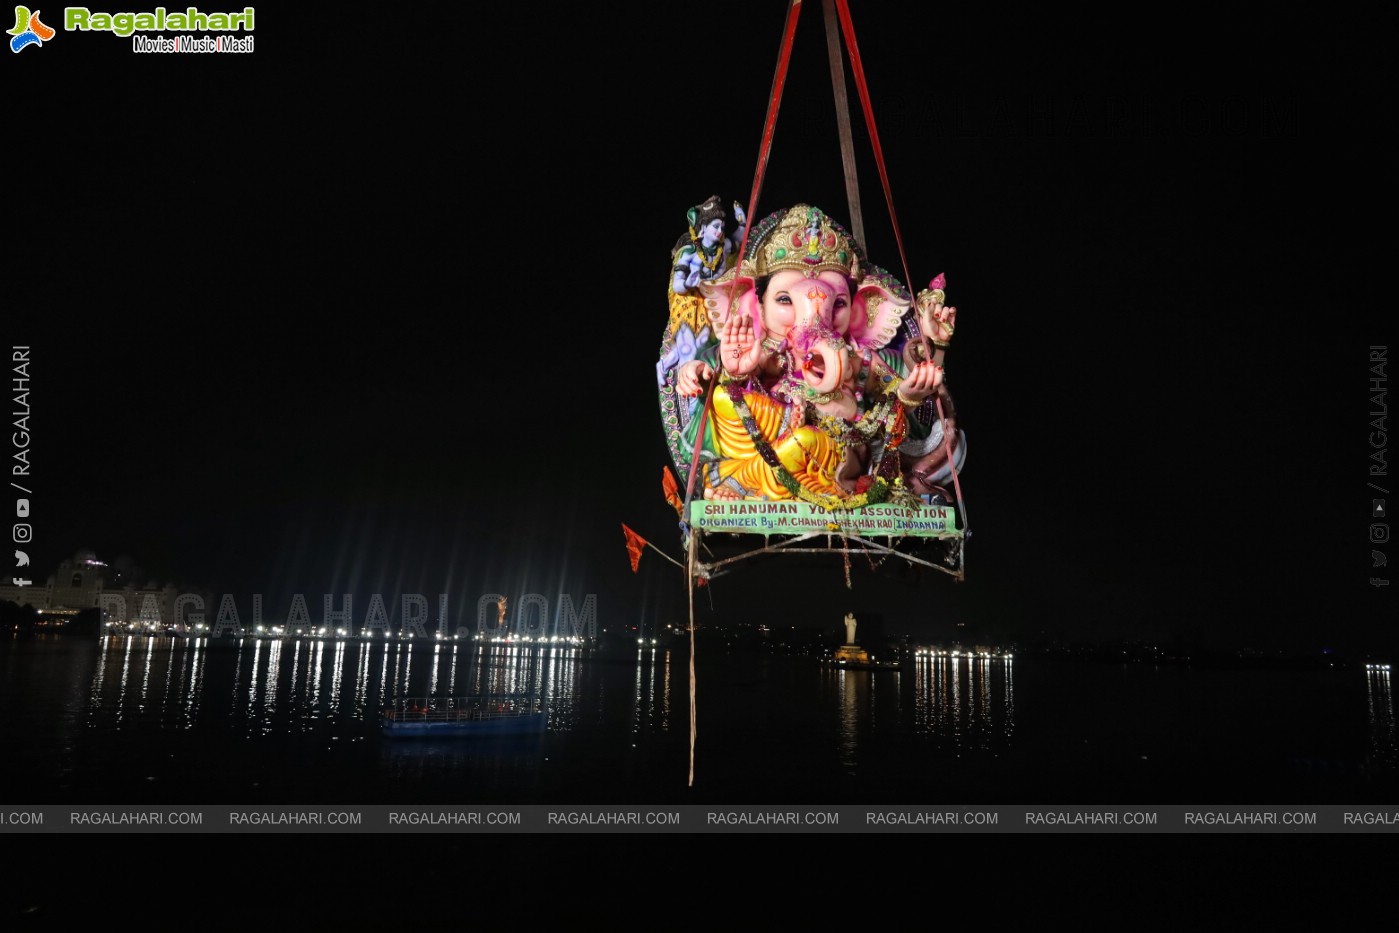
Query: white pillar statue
[{"x": 850, "y": 628}]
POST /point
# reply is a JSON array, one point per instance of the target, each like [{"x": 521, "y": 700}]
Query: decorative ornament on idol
[
  {"x": 803, "y": 237},
  {"x": 703, "y": 252},
  {"x": 935, "y": 293},
  {"x": 686, "y": 344}
]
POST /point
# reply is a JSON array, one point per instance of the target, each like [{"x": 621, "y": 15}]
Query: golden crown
[{"x": 806, "y": 239}]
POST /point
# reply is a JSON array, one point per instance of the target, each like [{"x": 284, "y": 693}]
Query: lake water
[{"x": 174, "y": 721}]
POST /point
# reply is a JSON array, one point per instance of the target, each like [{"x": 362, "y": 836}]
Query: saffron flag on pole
[
  {"x": 672, "y": 491},
  {"x": 635, "y": 543}
]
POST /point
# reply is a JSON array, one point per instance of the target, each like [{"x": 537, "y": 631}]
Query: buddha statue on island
[{"x": 851, "y": 653}]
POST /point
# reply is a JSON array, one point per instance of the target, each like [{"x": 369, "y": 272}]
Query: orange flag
[
  {"x": 672, "y": 491},
  {"x": 635, "y": 543}
]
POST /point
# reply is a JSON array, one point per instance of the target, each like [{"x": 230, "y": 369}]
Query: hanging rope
[{"x": 690, "y": 586}]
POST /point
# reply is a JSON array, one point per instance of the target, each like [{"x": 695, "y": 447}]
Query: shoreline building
[{"x": 83, "y": 582}]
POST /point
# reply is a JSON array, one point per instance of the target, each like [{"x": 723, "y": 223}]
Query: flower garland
[{"x": 862, "y": 431}]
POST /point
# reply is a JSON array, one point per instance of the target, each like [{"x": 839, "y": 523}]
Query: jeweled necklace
[
  {"x": 797, "y": 390},
  {"x": 709, "y": 262}
]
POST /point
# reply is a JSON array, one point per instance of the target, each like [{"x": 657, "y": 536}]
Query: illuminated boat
[{"x": 449, "y": 717}]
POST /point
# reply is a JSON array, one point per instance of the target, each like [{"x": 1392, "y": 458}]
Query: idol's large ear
[
  {"x": 733, "y": 288},
  {"x": 877, "y": 309}
]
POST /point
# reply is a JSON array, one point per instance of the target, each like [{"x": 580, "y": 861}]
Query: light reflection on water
[
  {"x": 849, "y": 687},
  {"x": 281, "y": 686},
  {"x": 1384, "y": 739},
  {"x": 290, "y": 685},
  {"x": 196, "y": 685},
  {"x": 270, "y": 719},
  {"x": 949, "y": 705},
  {"x": 963, "y": 704},
  {"x": 651, "y": 709},
  {"x": 984, "y": 720}
]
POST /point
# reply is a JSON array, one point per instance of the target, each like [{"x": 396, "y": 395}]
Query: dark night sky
[{"x": 379, "y": 313}]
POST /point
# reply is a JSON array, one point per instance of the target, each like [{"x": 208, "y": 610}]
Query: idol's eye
[
  {"x": 842, "y": 301},
  {"x": 784, "y": 299}
]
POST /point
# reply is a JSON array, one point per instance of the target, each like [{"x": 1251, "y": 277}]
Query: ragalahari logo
[{"x": 29, "y": 30}]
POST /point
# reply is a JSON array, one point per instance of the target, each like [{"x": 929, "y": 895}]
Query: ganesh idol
[{"x": 826, "y": 374}]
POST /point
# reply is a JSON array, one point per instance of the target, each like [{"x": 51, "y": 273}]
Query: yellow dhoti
[
  {"x": 688, "y": 309},
  {"x": 810, "y": 456}
]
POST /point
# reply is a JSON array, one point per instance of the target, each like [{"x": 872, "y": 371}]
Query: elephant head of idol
[
  {"x": 810, "y": 294},
  {"x": 822, "y": 362}
]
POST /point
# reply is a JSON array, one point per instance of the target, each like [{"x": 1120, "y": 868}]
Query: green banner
[{"x": 799, "y": 518}]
